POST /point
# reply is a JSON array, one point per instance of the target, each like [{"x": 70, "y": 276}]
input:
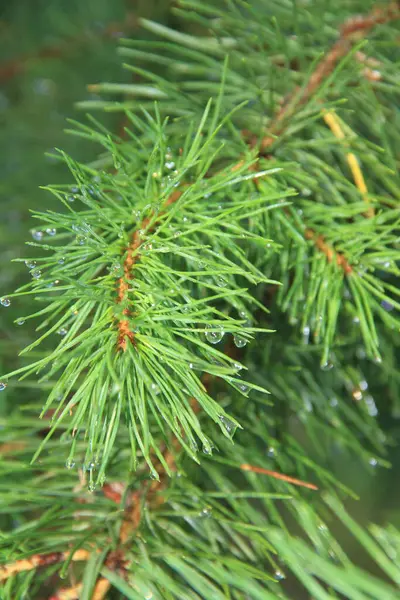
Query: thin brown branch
[
  {"x": 100, "y": 589},
  {"x": 18, "y": 65},
  {"x": 74, "y": 592},
  {"x": 280, "y": 476},
  {"x": 329, "y": 252},
  {"x": 39, "y": 560},
  {"x": 352, "y": 30},
  {"x": 125, "y": 332}
]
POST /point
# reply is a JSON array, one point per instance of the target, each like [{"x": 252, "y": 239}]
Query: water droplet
[
  {"x": 63, "y": 331},
  {"x": 360, "y": 352},
  {"x": 221, "y": 282},
  {"x": 37, "y": 235},
  {"x": 271, "y": 452},
  {"x": 70, "y": 463},
  {"x": 227, "y": 423},
  {"x": 239, "y": 340},
  {"x": 333, "y": 402},
  {"x": 31, "y": 264},
  {"x": 177, "y": 234},
  {"x": 373, "y": 462},
  {"x": 207, "y": 449},
  {"x": 238, "y": 366},
  {"x": 206, "y": 512},
  {"x": 169, "y": 165},
  {"x": 191, "y": 366},
  {"x": 51, "y": 231},
  {"x": 306, "y": 334},
  {"x": 327, "y": 366},
  {"x": 154, "y": 475},
  {"x": 377, "y": 359},
  {"x": 80, "y": 240},
  {"x": 387, "y": 305},
  {"x": 363, "y": 385},
  {"x": 214, "y": 334},
  {"x": 155, "y": 389},
  {"x": 185, "y": 219},
  {"x": 278, "y": 576},
  {"x": 115, "y": 269},
  {"x": 357, "y": 394},
  {"x": 61, "y": 260},
  {"x": 36, "y": 273},
  {"x": 3, "y": 386},
  {"x": 371, "y": 406},
  {"x": 5, "y": 302},
  {"x": 71, "y": 198},
  {"x": 90, "y": 466},
  {"x": 91, "y": 487},
  {"x": 20, "y": 321},
  {"x": 244, "y": 388},
  {"x": 356, "y": 320}
]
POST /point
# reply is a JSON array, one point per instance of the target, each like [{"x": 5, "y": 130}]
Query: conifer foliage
[{"x": 216, "y": 304}]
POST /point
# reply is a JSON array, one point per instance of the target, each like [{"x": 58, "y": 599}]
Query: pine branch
[
  {"x": 131, "y": 257},
  {"x": 134, "y": 341},
  {"x": 354, "y": 29}
]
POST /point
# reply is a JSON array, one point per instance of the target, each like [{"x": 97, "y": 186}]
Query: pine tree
[{"x": 215, "y": 290}]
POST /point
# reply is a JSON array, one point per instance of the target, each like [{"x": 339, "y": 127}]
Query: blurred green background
[{"x": 50, "y": 51}]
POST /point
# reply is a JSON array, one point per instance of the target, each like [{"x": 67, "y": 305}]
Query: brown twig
[
  {"x": 124, "y": 331},
  {"x": 73, "y": 593},
  {"x": 353, "y": 30},
  {"x": 281, "y": 476},
  {"x": 329, "y": 252},
  {"x": 40, "y": 560}
]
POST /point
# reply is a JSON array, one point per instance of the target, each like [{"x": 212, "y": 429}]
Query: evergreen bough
[{"x": 239, "y": 238}]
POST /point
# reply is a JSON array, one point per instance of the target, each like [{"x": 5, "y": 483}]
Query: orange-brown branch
[
  {"x": 329, "y": 252},
  {"x": 280, "y": 476},
  {"x": 74, "y": 592},
  {"x": 125, "y": 332},
  {"x": 353, "y": 29},
  {"x": 39, "y": 560}
]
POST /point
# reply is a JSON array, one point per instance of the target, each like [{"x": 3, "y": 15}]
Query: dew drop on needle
[
  {"x": 214, "y": 334},
  {"x": 239, "y": 341}
]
